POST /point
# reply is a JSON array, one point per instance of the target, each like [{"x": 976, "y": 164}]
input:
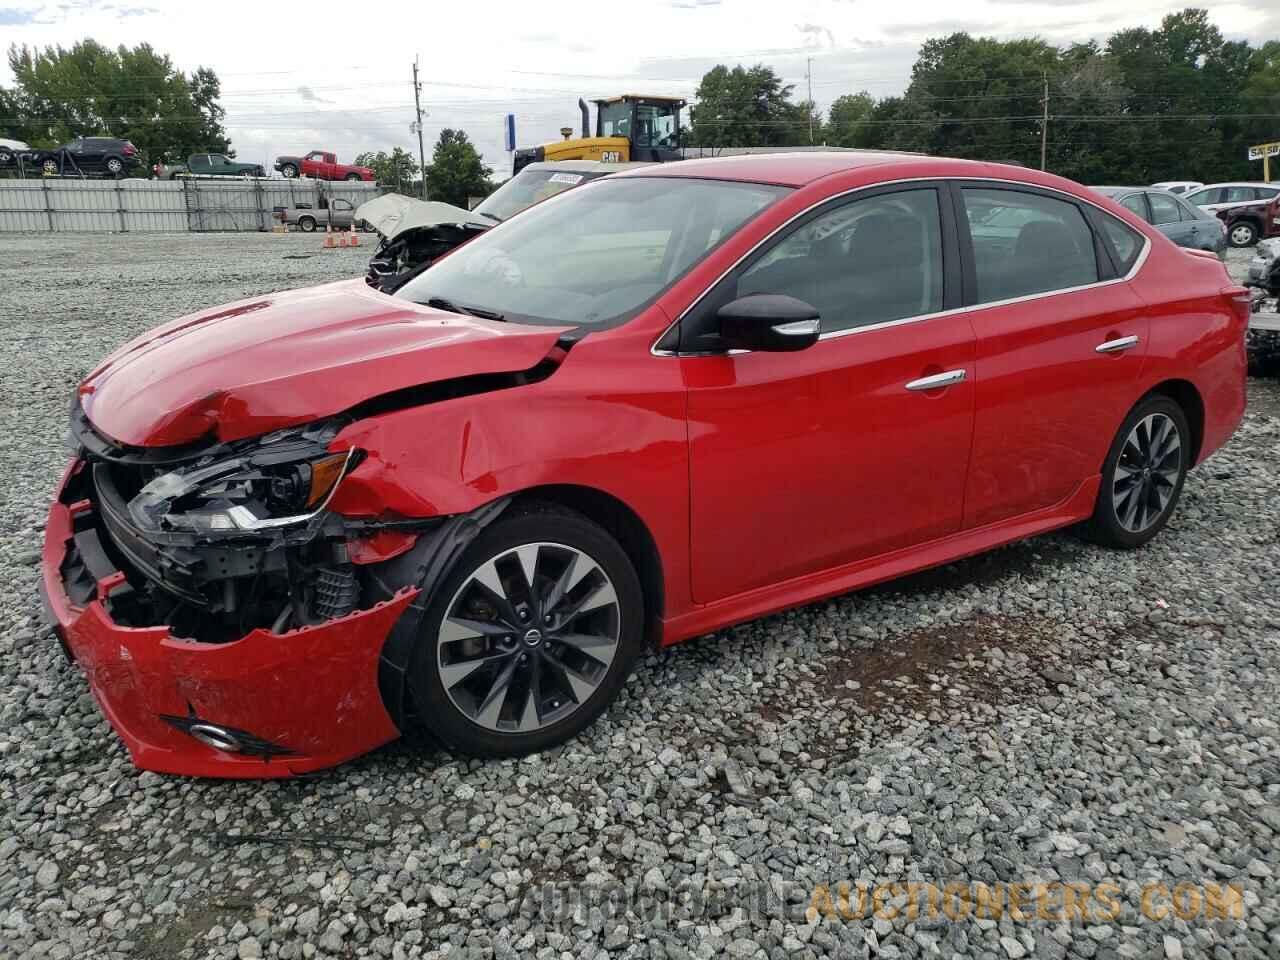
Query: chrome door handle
[
  {"x": 1115, "y": 346},
  {"x": 937, "y": 380}
]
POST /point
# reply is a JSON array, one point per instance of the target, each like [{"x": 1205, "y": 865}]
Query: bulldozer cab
[
  {"x": 628, "y": 128},
  {"x": 650, "y": 125}
]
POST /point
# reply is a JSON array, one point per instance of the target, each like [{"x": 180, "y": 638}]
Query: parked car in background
[
  {"x": 1178, "y": 186},
  {"x": 208, "y": 165},
  {"x": 1251, "y": 211},
  {"x": 415, "y": 232},
  {"x": 677, "y": 399},
  {"x": 1184, "y": 224},
  {"x": 104, "y": 155},
  {"x": 338, "y": 214},
  {"x": 1263, "y": 343},
  {"x": 11, "y": 151},
  {"x": 321, "y": 165}
]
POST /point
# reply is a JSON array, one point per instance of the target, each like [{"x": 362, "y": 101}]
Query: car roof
[
  {"x": 798, "y": 169},
  {"x": 1243, "y": 183}
]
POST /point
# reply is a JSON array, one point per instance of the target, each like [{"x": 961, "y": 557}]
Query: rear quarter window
[{"x": 1125, "y": 242}]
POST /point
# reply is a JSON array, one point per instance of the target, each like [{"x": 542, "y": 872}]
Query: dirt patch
[{"x": 931, "y": 666}]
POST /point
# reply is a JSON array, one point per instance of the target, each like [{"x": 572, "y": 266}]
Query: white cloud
[{"x": 339, "y": 77}]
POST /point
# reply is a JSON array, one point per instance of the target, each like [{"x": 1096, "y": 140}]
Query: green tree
[
  {"x": 397, "y": 168},
  {"x": 134, "y": 93},
  {"x": 456, "y": 172},
  {"x": 748, "y": 107},
  {"x": 846, "y": 126}
]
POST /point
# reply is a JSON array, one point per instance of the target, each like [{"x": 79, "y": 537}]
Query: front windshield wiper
[
  {"x": 440, "y": 303},
  {"x": 485, "y": 213}
]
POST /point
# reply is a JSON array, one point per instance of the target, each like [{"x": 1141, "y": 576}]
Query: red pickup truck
[{"x": 321, "y": 165}]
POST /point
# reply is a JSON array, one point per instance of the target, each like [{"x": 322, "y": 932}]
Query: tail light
[
  {"x": 1273, "y": 211},
  {"x": 129, "y": 149},
  {"x": 1241, "y": 300}
]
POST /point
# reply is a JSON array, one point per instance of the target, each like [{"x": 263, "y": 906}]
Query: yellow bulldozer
[{"x": 631, "y": 127}]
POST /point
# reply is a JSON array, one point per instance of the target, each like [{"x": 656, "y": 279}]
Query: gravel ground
[{"x": 1046, "y": 713}]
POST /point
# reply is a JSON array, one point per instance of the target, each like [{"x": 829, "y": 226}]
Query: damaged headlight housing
[{"x": 280, "y": 480}]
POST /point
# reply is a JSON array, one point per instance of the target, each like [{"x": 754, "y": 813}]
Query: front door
[
  {"x": 1061, "y": 341},
  {"x": 857, "y": 446}
]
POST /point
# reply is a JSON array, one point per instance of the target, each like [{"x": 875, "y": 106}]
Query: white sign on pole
[{"x": 1264, "y": 150}]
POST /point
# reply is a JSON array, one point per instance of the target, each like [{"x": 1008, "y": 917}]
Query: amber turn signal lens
[{"x": 325, "y": 474}]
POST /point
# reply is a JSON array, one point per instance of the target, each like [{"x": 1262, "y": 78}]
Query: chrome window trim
[{"x": 1138, "y": 263}]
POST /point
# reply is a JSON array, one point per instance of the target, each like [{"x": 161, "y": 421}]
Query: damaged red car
[{"x": 669, "y": 401}]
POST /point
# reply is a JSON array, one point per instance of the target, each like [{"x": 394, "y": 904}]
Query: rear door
[
  {"x": 1060, "y": 342},
  {"x": 1167, "y": 218},
  {"x": 856, "y": 446}
]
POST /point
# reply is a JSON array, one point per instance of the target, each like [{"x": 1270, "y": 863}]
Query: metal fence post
[
  {"x": 124, "y": 226},
  {"x": 48, "y": 202}
]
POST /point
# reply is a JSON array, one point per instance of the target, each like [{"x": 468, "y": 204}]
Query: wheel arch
[
  {"x": 625, "y": 526},
  {"x": 1185, "y": 395}
]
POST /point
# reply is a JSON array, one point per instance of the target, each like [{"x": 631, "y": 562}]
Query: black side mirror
[{"x": 768, "y": 321}]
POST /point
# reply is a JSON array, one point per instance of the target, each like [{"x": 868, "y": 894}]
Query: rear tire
[
  {"x": 555, "y": 652},
  {"x": 1242, "y": 233},
  {"x": 307, "y": 225},
  {"x": 353, "y": 176},
  {"x": 288, "y": 171},
  {"x": 49, "y": 167},
  {"x": 1142, "y": 476}
]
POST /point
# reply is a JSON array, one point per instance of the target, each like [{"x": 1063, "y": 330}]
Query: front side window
[
  {"x": 1240, "y": 194},
  {"x": 594, "y": 256},
  {"x": 1048, "y": 246},
  {"x": 1201, "y": 197},
  {"x": 869, "y": 261},
  {"x": 1163, "y": 209}
]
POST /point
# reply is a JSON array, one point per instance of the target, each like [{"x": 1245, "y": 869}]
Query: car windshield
[
  {"x": 595, "y": 255},
  {"x": 526, "y": 188}
]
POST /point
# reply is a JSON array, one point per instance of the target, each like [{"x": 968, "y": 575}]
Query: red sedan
[{"x": 669, "y": 401}]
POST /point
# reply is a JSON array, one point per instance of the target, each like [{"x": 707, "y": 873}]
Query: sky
[{"x": 325, "y": 76}]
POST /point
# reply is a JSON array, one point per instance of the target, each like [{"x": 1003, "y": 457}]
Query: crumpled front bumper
[{"x": 291, "y": 703}]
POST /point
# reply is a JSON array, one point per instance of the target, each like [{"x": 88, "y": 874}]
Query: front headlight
[{"x": 263, "y": 488}]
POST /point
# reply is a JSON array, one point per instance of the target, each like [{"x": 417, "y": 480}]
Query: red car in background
[
  {"x": 321, "y": 165},
  {"x": 656, "y": 405}
]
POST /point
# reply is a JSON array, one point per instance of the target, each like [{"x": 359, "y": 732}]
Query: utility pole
[
  {"x": 1044, "y": 124},
  {"x": 417, "y": 106},
  {"x": 808, "y": 73}
]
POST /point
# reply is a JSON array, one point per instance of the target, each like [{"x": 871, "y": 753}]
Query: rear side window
[
  {"x": 1163, "y": 209},
  {"x": 1240, "y": 194},
  {"x": 1027, "y": 243},
  {"x": 1206, "y": 196}
]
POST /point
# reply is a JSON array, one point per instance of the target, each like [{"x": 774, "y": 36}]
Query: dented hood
[
  {"x": 289, "y": 358},
  {"x": 393, "y": 214}
]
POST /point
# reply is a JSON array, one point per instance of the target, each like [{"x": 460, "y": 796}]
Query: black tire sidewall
[
  {"x": 307, "y": 225},
  {"x": 1104, "y": 527},
  {"x": 526, "y": 525}
]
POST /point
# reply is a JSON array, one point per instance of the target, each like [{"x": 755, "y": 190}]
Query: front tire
[
  {"x": 288, "y": 171},
  {"x": 1143, "y": 475},
  {"x": 530, "y": 637},
  {"x": 307, "y": 225},
  {"x": 353, "y": 177}
]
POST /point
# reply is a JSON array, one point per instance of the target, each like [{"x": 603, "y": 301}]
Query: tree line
[{"x": 1176, "y": 102}]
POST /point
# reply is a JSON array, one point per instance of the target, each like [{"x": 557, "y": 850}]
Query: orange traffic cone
[
  {"x": 353, "y": 239},
  {"x": 329, "y": 239}
]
